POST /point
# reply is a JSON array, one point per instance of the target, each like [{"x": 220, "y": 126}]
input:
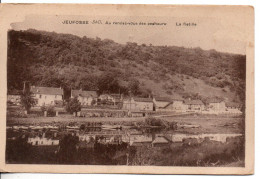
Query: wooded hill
[{"x": 68, "y": 61}]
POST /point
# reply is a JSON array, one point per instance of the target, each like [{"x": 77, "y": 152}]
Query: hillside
[{"x": 51, "y": 59}]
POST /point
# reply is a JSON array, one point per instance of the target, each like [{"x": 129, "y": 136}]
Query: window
[
  {"x": 45, "y": 97},
  {"x": 55, "y": 96},
  {"x": 40, "y": 96}
]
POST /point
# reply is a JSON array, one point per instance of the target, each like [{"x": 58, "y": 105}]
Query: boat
[
  {"x": 72, "y": 127},
  {"x": 111, "y": 127}
]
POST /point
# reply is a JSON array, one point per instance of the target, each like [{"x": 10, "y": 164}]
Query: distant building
[
  {"x": 138, "y": 104},
  {"x": 47, "y": 95},
  {"x": 178, "y": 104},
  {"x": 193, "y": 105},
  {"x": 216, "y": 106},
  {"x": 14, "y": 97},
  {"x": 111, "y": 99},
  {"x": 161, "y": 103},
  {"x": 86, "y": 98},
  {"x": 233, "y": 108}
]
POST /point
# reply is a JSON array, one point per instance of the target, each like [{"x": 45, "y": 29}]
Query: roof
[
  {"x": 232, "y": 104},
  {"x": 46, "y": 90},
  {"x": 148, "y": 100},
  {"x": 194, "y": 102},
  {"x": 84, "y": 93},
  {"x": 164, "y": 99},
  {"x": 165, "y": 107},
  {"x": 160, "y": 140}
]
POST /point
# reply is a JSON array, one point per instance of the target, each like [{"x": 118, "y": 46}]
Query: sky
[{"x": 209, "y": 33}]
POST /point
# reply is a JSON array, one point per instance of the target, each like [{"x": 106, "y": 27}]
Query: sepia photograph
[{"x": 129, "y": 90}]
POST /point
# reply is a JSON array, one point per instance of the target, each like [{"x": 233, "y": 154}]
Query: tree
[
  {"x": 73, "y": 105},
  {"x": 93, "y": 102},
  {"x": 27, "y": 100},
  {"x": 108, "y": 82},
  {"x": 133, "y": 86}
]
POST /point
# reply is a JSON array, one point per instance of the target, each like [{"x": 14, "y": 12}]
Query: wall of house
[
  {"x": 129, "y": 105},
  {"x": 136, "y": 105},
  {"x": 178, "y": 106},
  {"x": 144, "y": 106},
  {"x": 16, "y": 99},
  {"x": 233, "y": 110},
  {"x": 45, "y": 99},
  {"x": 217, "y": 106},
  {"x": 197, "y": 107},
  {"x": 86, "y": 100}
]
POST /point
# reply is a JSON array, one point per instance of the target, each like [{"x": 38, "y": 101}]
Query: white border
[{"x": 257, "y": 85}]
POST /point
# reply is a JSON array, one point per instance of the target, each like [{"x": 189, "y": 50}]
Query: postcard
[{"x": 138, "y": 89}]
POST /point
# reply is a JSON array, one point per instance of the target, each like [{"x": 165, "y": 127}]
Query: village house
[
  {"x": 162, "y": 103},
  {"x": 193, "y": 105},
  {"x": 233, "y": 108},
  {"x": 14, "y": 97},
  {"x": 86, "y": 98},
  {"x": 111, "y": 99},
  {"x": 47, "y": 95},
  {"x": 177, "y": 104},
  {"x": 138, "y": 104},
  {"x": 216, "y": 106}
]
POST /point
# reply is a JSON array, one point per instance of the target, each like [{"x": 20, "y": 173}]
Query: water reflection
[{"x": 106, "y": 145}]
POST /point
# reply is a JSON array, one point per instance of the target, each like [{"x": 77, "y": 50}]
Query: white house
[
  {"x": 233, "y": 108},
  {"x": 216, "y": 106},
  {"x": 14, "y": 97},
  {"x": 178, "y": 104},
  {"x": 86, "y": 98},
  {"x": 194, "y": 105},
  {"x": 138, "y": 104},
  {"x": 47, "y": 95},
  {"x": 112, "y": 99}
]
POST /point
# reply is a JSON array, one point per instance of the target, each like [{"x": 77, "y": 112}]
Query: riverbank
[{"x": 194, "y": 124}]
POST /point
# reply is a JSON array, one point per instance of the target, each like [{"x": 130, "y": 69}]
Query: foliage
[
  {"x": 133, "y": 86},
  {"x": 73, "y": 105},
  {"x": 153, "y": 121},
  {"x": 27, "y": 100},
  {"x": 68, "y": 61},
  {"x": 50, "y": 110}
]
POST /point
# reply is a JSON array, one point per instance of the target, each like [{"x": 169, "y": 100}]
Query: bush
[
  {"x": 153, "y": 121},
  {"x": 50, "y": 110},
  {"x": 73, "y": 105}
]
